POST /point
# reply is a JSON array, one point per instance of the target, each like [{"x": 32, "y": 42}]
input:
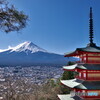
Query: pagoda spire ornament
[{"x": 91, "y": 29}]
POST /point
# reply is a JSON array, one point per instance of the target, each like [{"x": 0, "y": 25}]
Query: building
[{"x": 86, "y": 85}]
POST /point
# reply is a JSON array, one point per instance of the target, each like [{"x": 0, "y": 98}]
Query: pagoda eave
[
  {"x": 81, "y": 84},
  {"x": 65, "y": 97},
  {"x": 77, "y": 53},
  {"x": 74, "y": 67},
  {"x": 71, "y": 83},
  {"x": 69, "y": 97}
]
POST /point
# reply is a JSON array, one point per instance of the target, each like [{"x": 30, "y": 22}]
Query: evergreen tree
[
  {"x": 67, "y": 75},
  {"x": 10, "y": 18}
]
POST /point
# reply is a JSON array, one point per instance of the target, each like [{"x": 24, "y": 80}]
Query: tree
[
  {"x": 67, "y": 75},
  {"x": 10, "y": 18}
]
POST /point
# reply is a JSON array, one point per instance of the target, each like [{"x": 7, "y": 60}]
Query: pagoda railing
[{"x": 89, "y": 62}]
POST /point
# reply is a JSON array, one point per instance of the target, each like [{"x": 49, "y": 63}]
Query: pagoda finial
[
  {"x": 91, "y": 29},
  {"x": 91, "y": 26}
]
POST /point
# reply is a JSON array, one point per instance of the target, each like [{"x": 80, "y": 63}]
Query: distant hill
[{"x": 27, "y": 54}]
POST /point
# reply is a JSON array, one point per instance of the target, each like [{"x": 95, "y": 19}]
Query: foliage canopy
[{"x": 10, "y": 18}]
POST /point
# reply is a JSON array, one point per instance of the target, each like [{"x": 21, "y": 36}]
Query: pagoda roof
[
  {"x": 65, "y": 97},
  {"x": 83, "y": 66},
  {"x": 80, "y": 84},
  {"x": 71, "y": 83},
  {"x": 68, "y": 97},
  {"x": 70, "y": 67},
  {"x": 89, "y": 66},
  {"x": 93, "y": 85},
  {"x": 88, "y": 49}
]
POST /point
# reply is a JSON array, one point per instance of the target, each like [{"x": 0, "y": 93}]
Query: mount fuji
[{"x": 27, "y": 53}]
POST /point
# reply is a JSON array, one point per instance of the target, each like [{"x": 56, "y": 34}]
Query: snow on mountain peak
[{"x": 27, "y": 46}]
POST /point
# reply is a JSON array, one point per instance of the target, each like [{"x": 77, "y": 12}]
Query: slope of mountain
[
  {"x": 27, "y": 46},
  {"x": 27, "y": 54}
]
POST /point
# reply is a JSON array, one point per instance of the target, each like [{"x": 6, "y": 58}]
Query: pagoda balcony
[
  {"x": 81, "y": 78},
  {"x": 89, "y": 75}
]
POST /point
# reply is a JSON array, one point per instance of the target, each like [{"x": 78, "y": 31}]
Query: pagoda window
[
  {"x": 93, "y": 58},
  {"x": 84, "y": 54},
  {"x": 78, "y": 93},
  {"x": 79, "y": 74},
  {"x": 84, "y": 75},
  {"x": 94, "y": 76},
  {"x": 84, "y": 58},
  {"x": 83, "y": 93}
]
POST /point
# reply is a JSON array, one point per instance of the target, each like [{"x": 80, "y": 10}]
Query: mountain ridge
[
  {"x": 28, "y": 53},
  {"x": 27, "y": 45}
]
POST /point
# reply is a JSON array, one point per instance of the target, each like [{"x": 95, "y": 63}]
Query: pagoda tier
[
  {"x": 83, "y": 89},
  {"x": 87, "y": 55},
  {"x": 69, "y": 97},
  {"x": 85, "y": 71}
]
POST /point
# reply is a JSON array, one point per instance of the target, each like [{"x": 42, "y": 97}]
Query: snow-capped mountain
[
  {"x": 26, "y": 47},
  {"x": 28, "y": 53}
]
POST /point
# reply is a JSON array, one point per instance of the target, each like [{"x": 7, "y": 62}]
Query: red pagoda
[{"x": 86, "y": 85}]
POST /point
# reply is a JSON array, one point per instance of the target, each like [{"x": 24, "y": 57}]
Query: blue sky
[{"x": 56, "y": 25}]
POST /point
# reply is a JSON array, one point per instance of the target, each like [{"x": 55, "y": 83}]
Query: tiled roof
[
  {"x": 68, "y": 97},
  {"x": 83, "y": 66},
  {"x": 79, "y": 84},
  {"x": 89, "y": 85},
  {"x": 71, "y": 83},
  {"x": 89, "y": 48}
]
